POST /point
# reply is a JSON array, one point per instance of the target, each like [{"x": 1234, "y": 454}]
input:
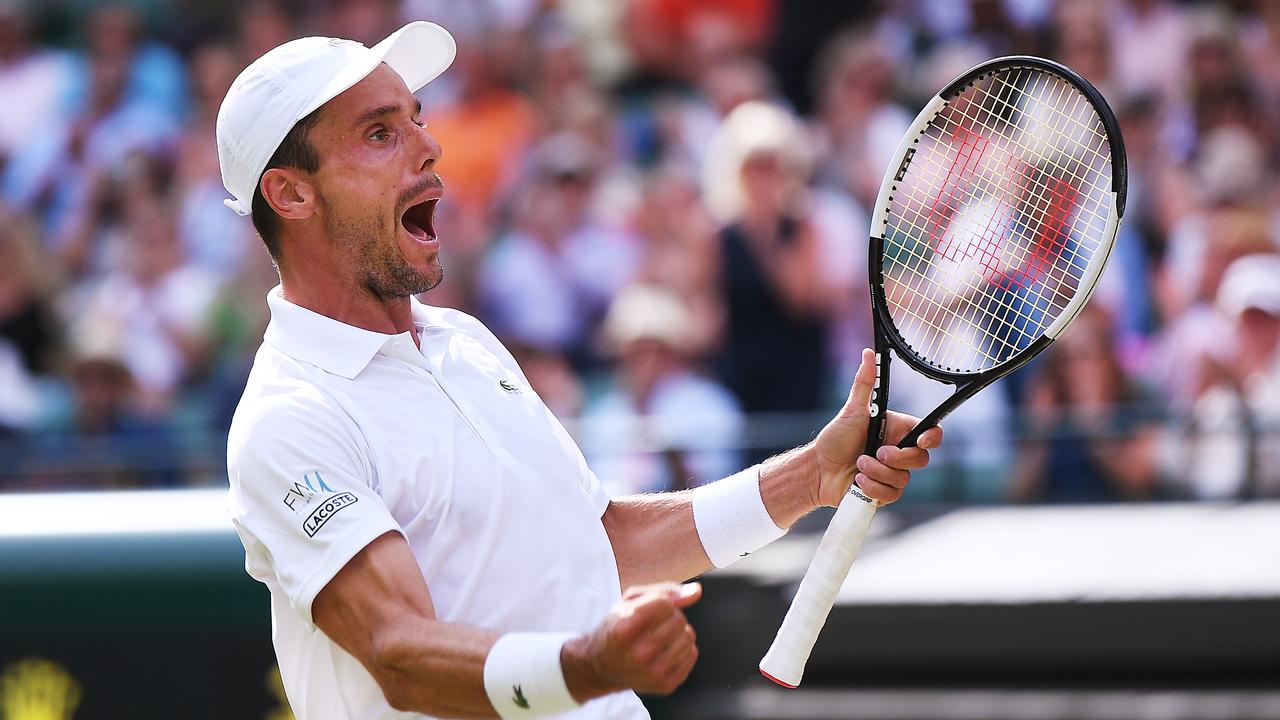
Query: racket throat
[
  {"x": 966, "y": 390},
  {"x": 962, "y": 393}
]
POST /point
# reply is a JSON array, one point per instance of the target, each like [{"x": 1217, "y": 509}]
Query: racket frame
[
  {"x": 887, "y": 335},
  {"x": 784, "y": 662}
]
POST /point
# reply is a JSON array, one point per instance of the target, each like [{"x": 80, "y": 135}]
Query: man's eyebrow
[{"x": 375, "y": 113}]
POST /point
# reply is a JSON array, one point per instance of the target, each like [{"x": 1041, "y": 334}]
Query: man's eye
[
  {"x": 420, "y": 122},
  {"x": 379, "y": 135}
]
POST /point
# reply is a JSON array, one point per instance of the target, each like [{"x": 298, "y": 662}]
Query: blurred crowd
[{"x": 661, "y": 207}]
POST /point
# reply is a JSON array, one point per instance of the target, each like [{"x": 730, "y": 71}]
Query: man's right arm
[{"x": 378, "y": 608}]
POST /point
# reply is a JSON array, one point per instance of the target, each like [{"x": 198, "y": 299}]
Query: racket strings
[
  {"x": 1092, "y": 212},
  {"x": 1040, "y": 261},
  {"x": 1094, "y": 151},
  {"x": 992, "y": 229}
]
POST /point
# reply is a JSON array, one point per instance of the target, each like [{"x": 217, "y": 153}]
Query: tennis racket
[{"x": 993, "y": 223}]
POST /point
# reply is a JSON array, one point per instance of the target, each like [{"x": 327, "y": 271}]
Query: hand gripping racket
[{"x": 993, "y": 223}]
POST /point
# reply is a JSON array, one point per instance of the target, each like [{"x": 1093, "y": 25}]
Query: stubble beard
[{"x": 374, "y": 252}]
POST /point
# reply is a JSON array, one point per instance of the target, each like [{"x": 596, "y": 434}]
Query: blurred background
[{"x": 661, "y": 207}]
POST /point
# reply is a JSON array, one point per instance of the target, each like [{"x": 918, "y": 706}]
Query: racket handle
[{"x": 785, "y": 661}]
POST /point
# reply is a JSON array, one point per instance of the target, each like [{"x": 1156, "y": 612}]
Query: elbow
[{"x": 397, "y": 695}]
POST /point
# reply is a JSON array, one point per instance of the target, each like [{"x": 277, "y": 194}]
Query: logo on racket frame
[{"x": 875, "y": 387}]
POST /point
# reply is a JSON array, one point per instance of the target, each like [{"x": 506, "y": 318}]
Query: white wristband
[
  {"x": 522, "y": 675},
  {"x": 731, "y": 518}
]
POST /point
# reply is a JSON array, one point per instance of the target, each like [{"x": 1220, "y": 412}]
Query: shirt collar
[{"x": 329, "y": 344}]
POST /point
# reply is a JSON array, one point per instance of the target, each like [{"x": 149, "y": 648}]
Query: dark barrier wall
[
  {"x": 143, "y": 626},
  {"x": 124, "y": 623}
]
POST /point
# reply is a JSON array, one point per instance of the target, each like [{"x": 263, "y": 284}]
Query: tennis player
[{"x": 433, "y": 541}]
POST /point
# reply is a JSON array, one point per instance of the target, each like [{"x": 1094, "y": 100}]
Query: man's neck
[{"x": 357, "y": 308}]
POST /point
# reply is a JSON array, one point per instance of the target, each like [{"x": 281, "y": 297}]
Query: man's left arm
[{"x": 655, "y": 537}]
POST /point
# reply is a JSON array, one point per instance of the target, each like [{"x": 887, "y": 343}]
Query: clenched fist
[{"x": 645, "y": 644}]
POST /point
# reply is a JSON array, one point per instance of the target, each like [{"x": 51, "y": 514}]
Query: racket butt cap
[{"x": 783, "y": 684}]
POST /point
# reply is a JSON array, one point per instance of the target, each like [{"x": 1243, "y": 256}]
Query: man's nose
[{"x": 430, "y": 149}]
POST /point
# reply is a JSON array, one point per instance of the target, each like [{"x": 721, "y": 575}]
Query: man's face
[{"x": 377, "y": 186}]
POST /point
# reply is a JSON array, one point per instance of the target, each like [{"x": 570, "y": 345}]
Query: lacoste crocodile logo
[{"x": 519, "y": 699}]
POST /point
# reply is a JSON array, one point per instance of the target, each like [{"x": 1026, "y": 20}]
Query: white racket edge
[{"x": 785, "y": 661}]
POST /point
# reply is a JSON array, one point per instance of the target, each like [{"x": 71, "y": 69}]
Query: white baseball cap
[
  {"x": 1253, "y": 281},
  {"x": 289, "y": 82}
]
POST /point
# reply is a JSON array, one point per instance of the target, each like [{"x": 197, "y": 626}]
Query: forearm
[
  {"x": 433, "y": 667},
  {"x": 378, "y": 608},
  {"x": 438, "y": 668},
  {"x": 655, "y": 538},
  {"x": 788, "y": 483}
]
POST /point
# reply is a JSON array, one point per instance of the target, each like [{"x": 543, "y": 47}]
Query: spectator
[
  {"x": 105, "y": 441},
  {"x": 1234, "y": 447},
  {"x": 1150, "y": 39},
  {"x": 859, "y": 123},
  {"x": 675, "y": 39},
  {"x": 776, "y": 296},
  {"x": 31, "y": 78},
  {"x": 213, "y": 239},
  {"x": 262, "y": 25},
  {"x": 488, "y": 127},
  {"x": 27, "y": 283},
  {"x": 149, "y": 313},
  {"x": 231, "y": 330},
  {"x": 68, "y": 173},
  {"x": 680, "y": 250},
  {"x": 28, "y": 337},
  {"x": 660, "y": 426},
  {"x": 548, "y": 282},
  {"x": 595, "y": 148},
  {"x": 1190, "y": 334},
  {"x": 1087, "y": 437},
  {"x": 153, "y": 75}
]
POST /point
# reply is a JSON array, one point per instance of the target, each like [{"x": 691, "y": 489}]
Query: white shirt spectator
[
  {"x": 693, "y": 415},
  {"x": 35, "y": 83},
  {"x": 345, "y": 434},
  {"x": 19, "y": 394},
  {"x": 136, "y": 322},
  {"x": 548, "y": 297}
]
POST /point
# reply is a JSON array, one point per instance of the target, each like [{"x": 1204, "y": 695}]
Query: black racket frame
[{"x": 887, "y": 335}]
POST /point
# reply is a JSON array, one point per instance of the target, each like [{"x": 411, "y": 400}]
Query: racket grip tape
[{"x": 785, "y": 661}]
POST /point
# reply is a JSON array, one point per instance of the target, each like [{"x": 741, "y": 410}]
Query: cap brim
[{"x": 418, "y": 52}]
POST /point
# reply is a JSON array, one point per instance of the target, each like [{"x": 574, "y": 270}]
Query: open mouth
[{"x": 419, "y": 220}]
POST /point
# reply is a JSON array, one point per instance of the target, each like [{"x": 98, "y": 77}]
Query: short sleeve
[{"x": 302, "y": 496}]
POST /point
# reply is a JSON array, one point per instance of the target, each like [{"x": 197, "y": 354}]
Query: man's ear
[{"x": 289, "y": 193}]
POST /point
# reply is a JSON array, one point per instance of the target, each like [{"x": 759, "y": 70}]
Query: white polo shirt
[{"x": 345, "y": 434}]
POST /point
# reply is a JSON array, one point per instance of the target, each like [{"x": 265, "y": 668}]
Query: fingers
[
  {"x": 877, "y": 490},
  {"x": 687, "y": 594},
  {"x": 913, "y": 458},
  {"x": 678, "y": 659},
  {"x": 897, "y": 425},
  {"x": 931, "y": 438},
  {"x": 880, "y": 481},
  {"x": 658, "y": 647},
  {"x": 648, "y": 606}
]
